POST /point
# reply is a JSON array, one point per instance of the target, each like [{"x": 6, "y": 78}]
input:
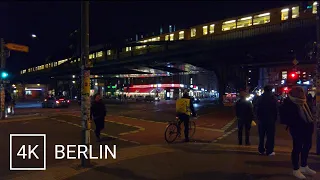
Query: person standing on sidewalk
[
  {"x": 296, "y": 114},
  {"x": 244, "y": 113},
  {"x": 267, "y": 114},
  {"x": 98, "y": 113}
]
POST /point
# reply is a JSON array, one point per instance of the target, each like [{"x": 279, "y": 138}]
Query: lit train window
[
  {"x": 98, "y": 54},
  {"x": 205, "y": 30},
  {"x": 295, "y": 12},
  {"x": 211, "y": 28},
  {"x": 193, "y": 32},
  {"x": 171, "y": 37},
  {"x": 181, "y": 35},
  {"x": 166, "y": 38},
  {"x": 284, "y": 14},
  {"x": 109, "y": 52},
  {"x": 261, "y": 19},
  {"x": 229, "y": 25},
  {"x": 314, "y": 7},
  {"x": 244, "y": 22},
  {"x": 128, "y": 49}
]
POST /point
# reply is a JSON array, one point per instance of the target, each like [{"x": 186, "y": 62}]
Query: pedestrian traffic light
[{"x": 4, "y": 75}]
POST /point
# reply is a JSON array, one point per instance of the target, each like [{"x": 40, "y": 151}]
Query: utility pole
[
  {"x": 85, "y": 77},
  {"x": 2, "y": 91},
  {"x": 318, "y": 81}
]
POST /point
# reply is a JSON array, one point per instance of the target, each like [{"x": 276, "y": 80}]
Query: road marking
[
  {"x": 69, "y": 169},
  {"x": 225, "y": 135},
  {"x": 22, "y": 119},
  {"x": 227, "y": 126},
  {"x": 121, "y": 134},
  {"x": 105, "y": 134}
]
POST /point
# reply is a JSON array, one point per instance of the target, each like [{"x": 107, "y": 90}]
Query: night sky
[{"x": 110, "y": 22}]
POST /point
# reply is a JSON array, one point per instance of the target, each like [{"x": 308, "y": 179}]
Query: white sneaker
[
  {"x": 298, "y": 174},
  {"x": 272, "y": 154},
  {"x": 306, "y": 170}
]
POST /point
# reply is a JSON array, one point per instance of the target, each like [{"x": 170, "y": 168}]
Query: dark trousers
[
  {"x": 302, "y": 143},
  {"x": 269, "y": 130},
  {"x": 185, "y": 119},
  {"x": 99, "y": 122},
  {"x": 246, "y": 124}
]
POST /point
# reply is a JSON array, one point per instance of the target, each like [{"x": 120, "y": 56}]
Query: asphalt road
[
  {"x": 141, "y": 150},
  {"x": 64, "y": 130}
]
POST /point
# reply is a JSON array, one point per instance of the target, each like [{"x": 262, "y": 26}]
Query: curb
[{"x": 25, "y": 118}]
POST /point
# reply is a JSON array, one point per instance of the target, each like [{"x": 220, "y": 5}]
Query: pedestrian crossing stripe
[{"x": 105, "y": 134}]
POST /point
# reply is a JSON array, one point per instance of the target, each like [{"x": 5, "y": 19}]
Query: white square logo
[{"x": 27, "y": 151}]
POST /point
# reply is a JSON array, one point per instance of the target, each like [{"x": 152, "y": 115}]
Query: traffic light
[
  {"x": 4, "y": 75},
  {"x": 292, "y": 78}
]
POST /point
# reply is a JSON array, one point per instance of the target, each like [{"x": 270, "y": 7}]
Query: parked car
[
  {"x": 151, "y": 99},
  {"x": 139, "y": 98},
  {"x": 55, "y": 102}
]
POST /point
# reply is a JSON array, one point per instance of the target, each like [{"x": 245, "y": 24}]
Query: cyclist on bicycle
[{"x": 184, "y": 109}]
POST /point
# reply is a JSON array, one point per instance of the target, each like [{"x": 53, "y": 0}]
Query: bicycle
[{"x": 173, "y": 130}]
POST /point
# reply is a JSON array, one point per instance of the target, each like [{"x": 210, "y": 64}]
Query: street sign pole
[
  {"x": 85, "y": 83},
  {"x": 2, "y": 91},
  {"x": 318, "y": 81}
]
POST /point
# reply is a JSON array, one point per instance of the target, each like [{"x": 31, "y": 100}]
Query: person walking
[
  {"x": 244, "y": 113},
  {"x": 296, "y": 114},
  {"x": 267, "y": 114},
  {"x": 98, "y": 113}
]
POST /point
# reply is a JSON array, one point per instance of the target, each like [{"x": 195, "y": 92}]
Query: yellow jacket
[{"x": 183, "y": 106}]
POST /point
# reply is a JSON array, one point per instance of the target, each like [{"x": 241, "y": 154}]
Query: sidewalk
[
  {"x": 283, "y": 141},
  {"x": 176, "y": 162}
]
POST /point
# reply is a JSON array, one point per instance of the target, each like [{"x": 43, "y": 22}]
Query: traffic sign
[
  {"x": 295, "y": 62},
  {"x": 17, "y": 47}
]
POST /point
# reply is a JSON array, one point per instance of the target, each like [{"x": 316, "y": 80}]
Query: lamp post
[{"x": 85, "y": 80}]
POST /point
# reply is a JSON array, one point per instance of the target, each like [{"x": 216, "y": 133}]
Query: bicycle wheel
[
  {"x": 192, "y": 128},
  {"x": 171, "y": 133}
]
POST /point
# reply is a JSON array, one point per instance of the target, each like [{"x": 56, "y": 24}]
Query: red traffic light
[{"x": 293, "y": 75}]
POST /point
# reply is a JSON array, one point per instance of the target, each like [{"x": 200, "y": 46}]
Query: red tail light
[
  {"x": 61, "y": 99},
  {"x": 45, "y": 99},
  {"x": 68, "y": 101}
]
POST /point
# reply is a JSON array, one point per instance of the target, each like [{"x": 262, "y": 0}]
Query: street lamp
[{"x": 33, "y": 36}]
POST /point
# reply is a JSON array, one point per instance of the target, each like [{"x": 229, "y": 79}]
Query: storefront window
[
  {"x": 229, "y": 25},
  {"x": 261, "y": 19},
  {"x": 244, "y": 22},
  {"x": 284, "y": 14}
]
